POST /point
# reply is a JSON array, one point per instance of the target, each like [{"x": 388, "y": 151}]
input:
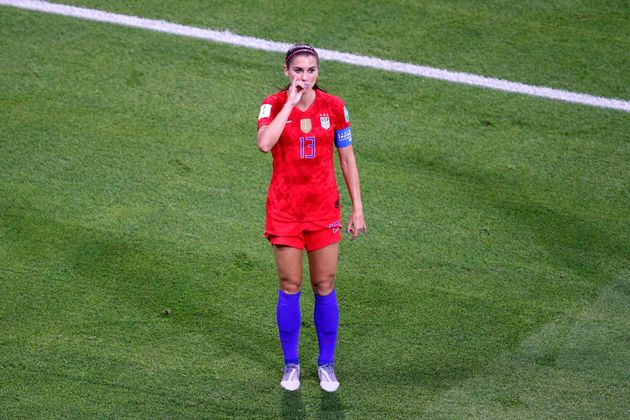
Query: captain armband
[{"x": 343, "y": 138}]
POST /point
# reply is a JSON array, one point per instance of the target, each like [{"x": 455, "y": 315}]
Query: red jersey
[{"x": 303, "y": 187}]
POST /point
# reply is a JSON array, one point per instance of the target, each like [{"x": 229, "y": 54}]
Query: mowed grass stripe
[
  {"x": 572, "y": 355},
  {"x": 348, "y": 58},
  {"x": 556, "y": 44},
  {"x": 129, "y": 183}
]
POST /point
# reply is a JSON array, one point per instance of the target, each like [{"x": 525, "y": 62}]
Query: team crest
[
  {"x": 325, "y": 121},
  {"x": 305, "y": 125}
]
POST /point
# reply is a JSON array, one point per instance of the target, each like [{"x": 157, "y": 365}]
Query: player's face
[{"x": 304, "y": 68}]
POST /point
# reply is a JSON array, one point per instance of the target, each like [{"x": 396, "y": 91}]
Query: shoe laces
[
  {"x": 330, "y": 371},
  {"x": 289, "y": 369}
]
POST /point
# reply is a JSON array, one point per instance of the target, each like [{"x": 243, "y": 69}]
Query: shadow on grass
[
  {"x": 292, "y": 405},
  {"x": 579, "y": 244},
  {"x": 330, "y": 406},
  {"x": 142, "y": 276},
  {"x": 588, "y": 247}
]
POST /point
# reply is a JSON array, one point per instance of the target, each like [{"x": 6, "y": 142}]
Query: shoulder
[
  {"x": 275, "y": 98},
  {"x": 338, "y": 110},
  {"x": 335, "y": 105},
  {"x": 270, "y": 107},
  {"x": 333, "y": 100}
]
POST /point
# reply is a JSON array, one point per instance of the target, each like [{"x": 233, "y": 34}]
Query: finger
[
  {"x": 297, "y": 83},
  {"x": 355, "y": 233},
  {"x": 350, "y": 229}
]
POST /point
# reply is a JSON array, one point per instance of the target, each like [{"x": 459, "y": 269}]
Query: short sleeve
[
  {"x": 268, "y": 110},
  {"x": 343, "y": 132}
]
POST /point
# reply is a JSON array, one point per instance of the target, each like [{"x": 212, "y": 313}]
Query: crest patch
[
  {"x": 324, "y": 121},
  {"x": 305, "y": 125}
]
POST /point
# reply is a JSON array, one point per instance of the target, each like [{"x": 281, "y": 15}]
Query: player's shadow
[
  {"x": 293, "y": 406},
  {"x": 330, "y": 406}
]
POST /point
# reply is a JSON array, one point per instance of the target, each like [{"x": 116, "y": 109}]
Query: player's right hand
[{"x": 296, "y": 90}]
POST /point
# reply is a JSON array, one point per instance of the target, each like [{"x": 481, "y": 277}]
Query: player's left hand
[{"x": 356, "y": 225}]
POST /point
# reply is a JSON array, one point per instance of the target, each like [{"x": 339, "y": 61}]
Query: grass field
[{"x": 495, "y": 281}]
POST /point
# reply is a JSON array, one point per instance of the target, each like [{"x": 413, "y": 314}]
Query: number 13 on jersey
[{"x": 307, "y": 147}]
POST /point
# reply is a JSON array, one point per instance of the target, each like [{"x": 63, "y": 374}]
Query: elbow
[
  {"x": 263, "y": 146},
  {"x": 346, "y": 163}
]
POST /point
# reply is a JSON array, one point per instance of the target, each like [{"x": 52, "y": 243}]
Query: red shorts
[{"x": 300, "y": 235}]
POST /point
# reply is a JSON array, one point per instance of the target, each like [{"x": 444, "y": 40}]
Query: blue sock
[
  {"x": 326, "y": 318},
  {"x": 289, "y": 321}
]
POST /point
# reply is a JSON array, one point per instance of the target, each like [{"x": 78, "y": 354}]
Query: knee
[
  {"x": 323, "y": 285},
  {"x": 290, "y": 285}
]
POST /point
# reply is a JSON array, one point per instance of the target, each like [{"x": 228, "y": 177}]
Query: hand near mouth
[{"x": 296, "y": 90}]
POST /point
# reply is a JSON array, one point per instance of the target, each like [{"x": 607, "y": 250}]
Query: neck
[{"x": 307, "y": 99}]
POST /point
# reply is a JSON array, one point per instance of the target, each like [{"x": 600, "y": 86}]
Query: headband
[{"x": 301, "y": 50}]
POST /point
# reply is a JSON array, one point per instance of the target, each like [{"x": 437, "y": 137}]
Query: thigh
[
  {"x": 289, "y": 264},
  {"x": 322, "y": 266}
]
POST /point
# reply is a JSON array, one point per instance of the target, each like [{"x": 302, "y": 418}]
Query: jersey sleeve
[
  {"x": 268, "y": 110},
  {"x": 343, "y": 132}
]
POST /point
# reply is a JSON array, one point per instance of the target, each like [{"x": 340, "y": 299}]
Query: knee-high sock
[
  {"x": 326, "y": 318},
  {"x": 289, "y": 321}
]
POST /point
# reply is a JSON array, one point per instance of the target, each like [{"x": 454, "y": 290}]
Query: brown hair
[{"x": 300, "y": 49}]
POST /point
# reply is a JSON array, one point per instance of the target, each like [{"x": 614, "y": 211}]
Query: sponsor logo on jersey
[
  {"x": 305, "y": 125},
  {"x": 265, "y": 111},
  {"x": 346, "y": 114},
  {"x": 325, "y": 121}
]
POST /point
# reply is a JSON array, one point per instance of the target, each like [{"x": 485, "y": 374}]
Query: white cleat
[
  {"x": 291, "y": 379},
  {"x": 327, "y": 379}
]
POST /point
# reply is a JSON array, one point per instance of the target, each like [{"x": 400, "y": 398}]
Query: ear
[{"x": 286, "y": 71}]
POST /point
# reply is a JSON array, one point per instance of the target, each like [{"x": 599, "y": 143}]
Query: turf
[
  {"x": 136, "y": 282},
  {"x": 570, "y": 44}
]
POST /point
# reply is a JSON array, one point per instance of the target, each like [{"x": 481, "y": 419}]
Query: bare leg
[
  {"x": 289, "y": 264},
  {"x": 322, "y": 265}
]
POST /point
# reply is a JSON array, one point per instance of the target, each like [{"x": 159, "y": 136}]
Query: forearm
[
  {"x": 268, "y": 136},
  {"x": 351, "y": 176}
]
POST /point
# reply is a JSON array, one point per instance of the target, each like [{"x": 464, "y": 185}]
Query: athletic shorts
[{"x": 300, "y": 235}]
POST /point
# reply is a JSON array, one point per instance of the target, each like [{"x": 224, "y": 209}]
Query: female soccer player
[{"x": 299, "y": 125}]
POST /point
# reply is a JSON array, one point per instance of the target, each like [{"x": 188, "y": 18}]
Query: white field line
[{"x": 227, "y": 37}]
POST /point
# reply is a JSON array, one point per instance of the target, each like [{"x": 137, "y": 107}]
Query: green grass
[
  {"x": 494, "y": 282},
  {"x": 569, "y": 44}
]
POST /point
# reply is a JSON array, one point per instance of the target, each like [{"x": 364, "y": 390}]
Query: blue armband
[{"x": 343, "y": 138}]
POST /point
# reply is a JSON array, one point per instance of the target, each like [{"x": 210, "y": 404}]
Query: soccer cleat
[
  {"x": 327, "y": 379},
  {"x": 291, "y": 379}
]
